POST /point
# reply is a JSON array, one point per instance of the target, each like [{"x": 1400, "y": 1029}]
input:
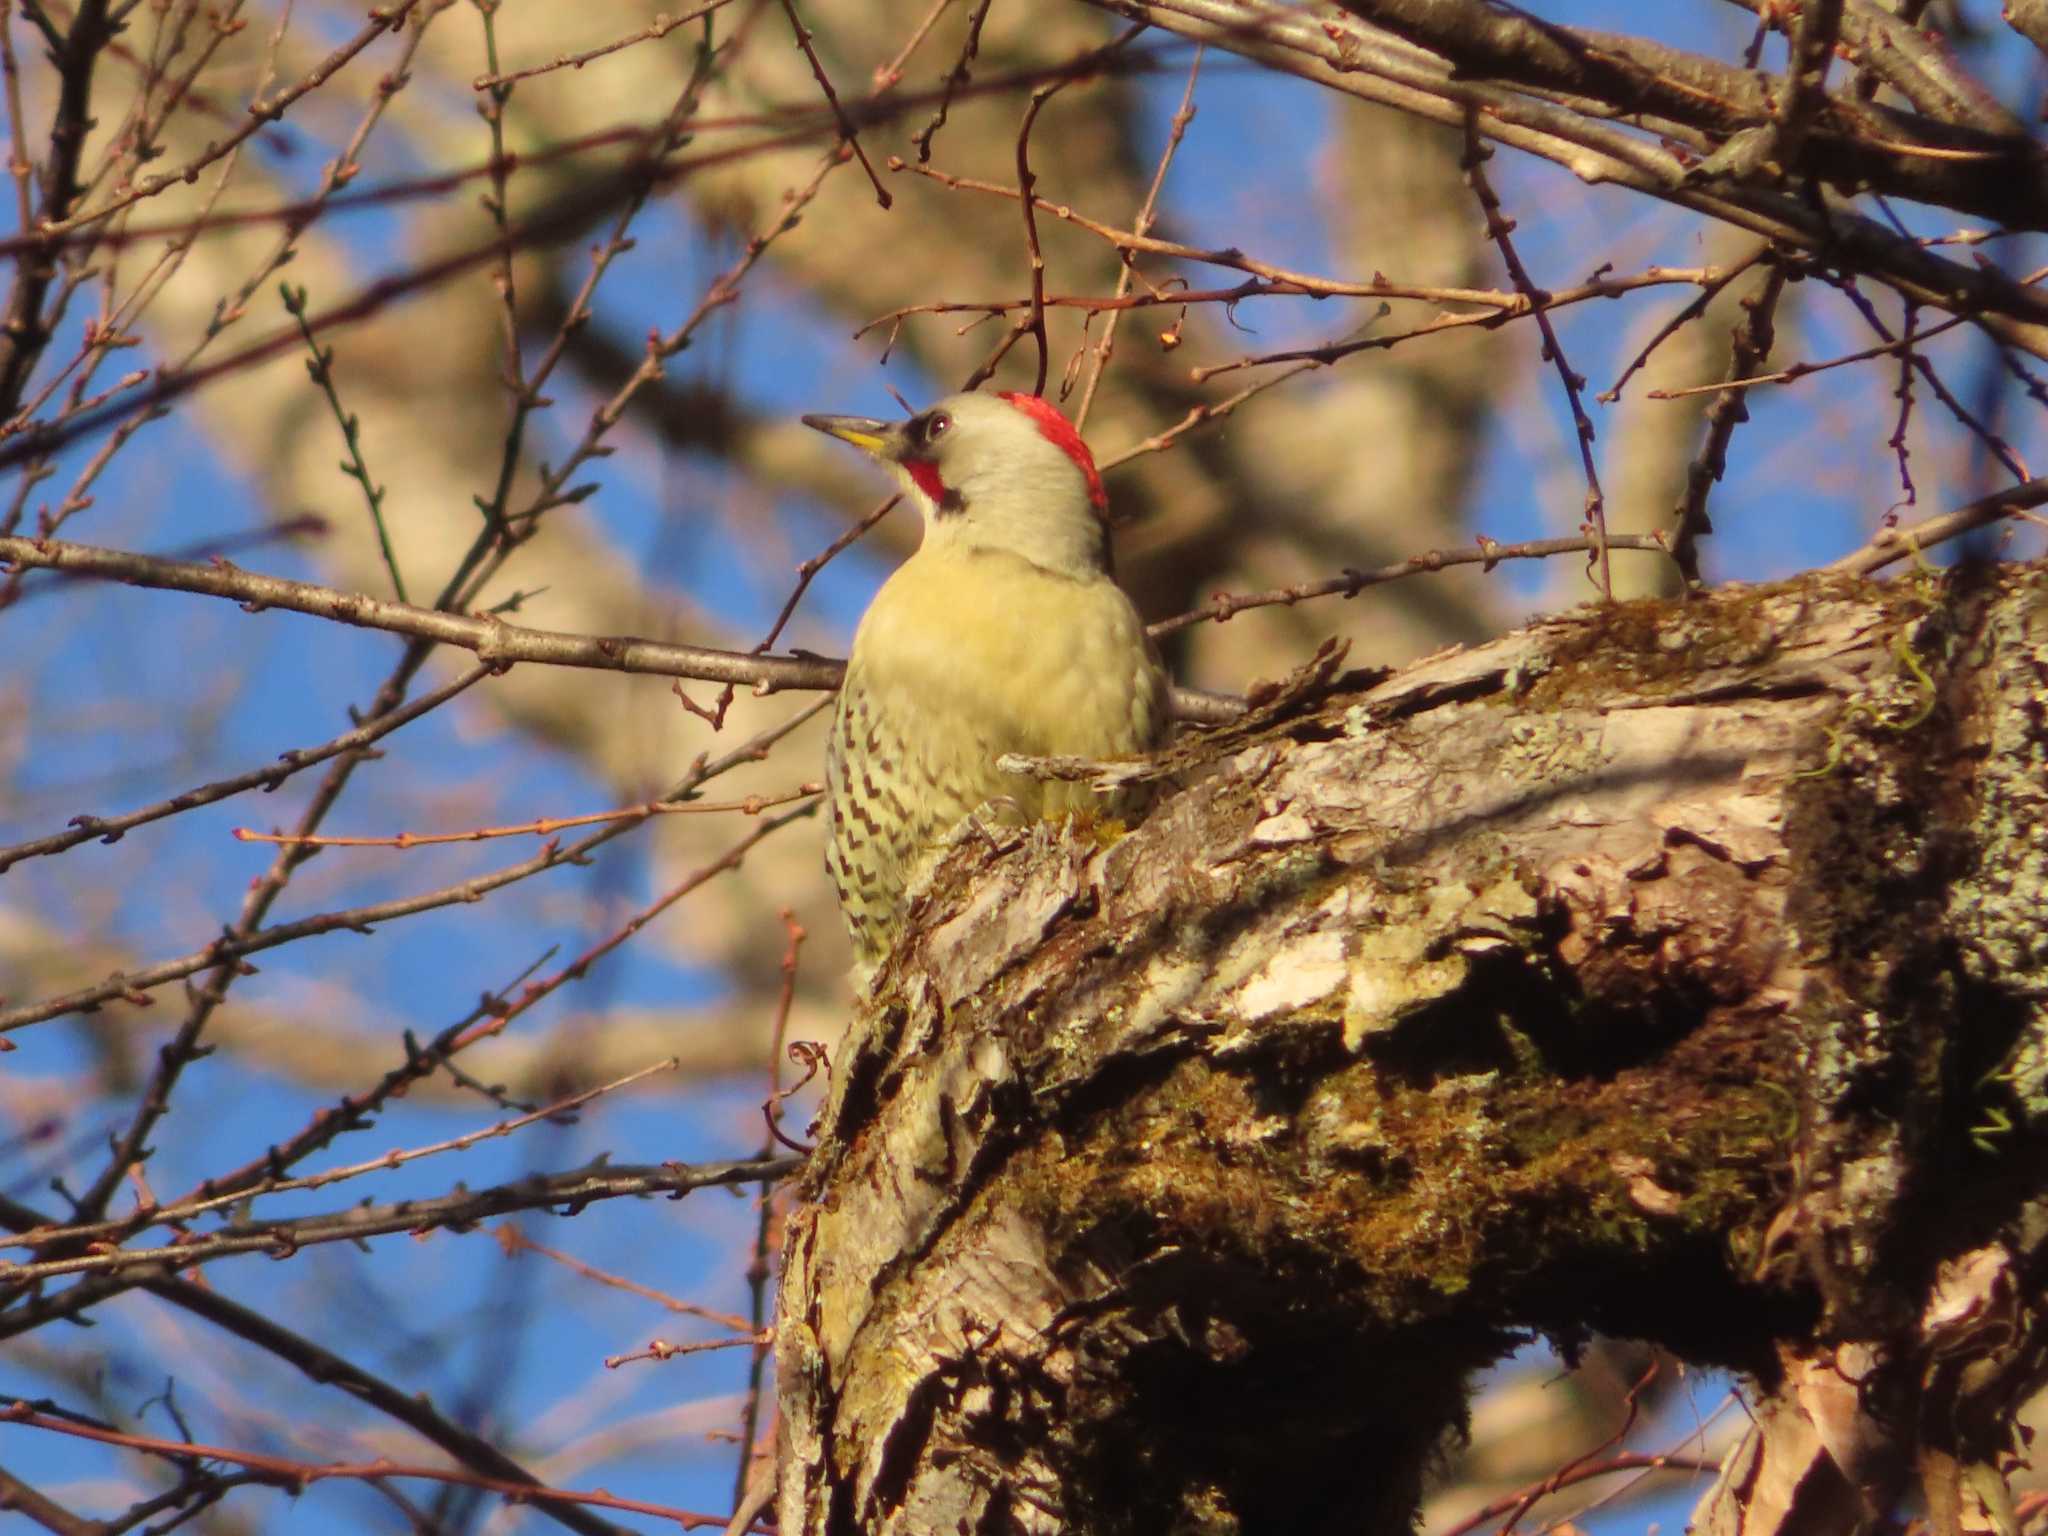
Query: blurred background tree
[{"x": 506, "y": 308}]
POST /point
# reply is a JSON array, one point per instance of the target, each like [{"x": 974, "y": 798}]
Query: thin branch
[
  {"x": 102, "y": 1234},
  {"x": 494, "y": 641},
  {"x": 752, "y": 805},
  {"x": 807, "y": 571},
  {"x": 231, "y": 950},
  {"x": 24, "y": 1499},
  {"x": 1373, "y": 67},
  {"x": 320, "y": 367},
  {"x": 1500, "y": 229},
  {"x": 760, "y": 1269},
  {"x": 1225, "y": 605},
  {"x": 514, "y": 1241},
  {"x": 1199, "y": 416},
  {"x": 662, "y": 1349},
  {"x": 296, "y": 1475},
  {"x": 1027, "y": 182},
  {"x": 1176, "y": 130},
  {"x": 1898, "y": 543},
  {"x": 111, "y": 829},
  {"x": 1709, "y": 291},
  {"x": 27, "y": 329},
  {"x": 1792, "y": 373},
  {"x": 261, "y": 114},
  {"x": 1903, "y": 393},
  {"x": 534, "y": 992},
  {"x": 1998, "y": 447},
  {"x": 317, "y": 1363},
  {"x": 1284, "y": 280},
  {"x": 849, "y": 136},
  {"x": 1751, "y": 347},
  {"x": 353, "y": 1111},
  {"x": 659, "y": 28},
  {"x": 890, "y": 74},
  {"x": 958, "y": 76},
  {"x": 454, "y": 1211}
]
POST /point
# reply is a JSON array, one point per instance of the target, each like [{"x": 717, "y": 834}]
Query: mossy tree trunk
[{"x": 1675, "y": 970}]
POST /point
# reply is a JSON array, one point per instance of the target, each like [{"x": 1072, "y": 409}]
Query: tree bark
[{"x": 1673, "y": 969}]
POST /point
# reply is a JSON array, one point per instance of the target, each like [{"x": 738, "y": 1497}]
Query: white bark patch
[
  {"x": 1289, "y": 826},
  {"x": 1004, "y": 919},
  {"x": 1170, "y": 985},
  {"x": 1304, "y": 971}
]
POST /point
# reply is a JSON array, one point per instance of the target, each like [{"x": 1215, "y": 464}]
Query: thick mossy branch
[{"x": 1674, "y": 969}]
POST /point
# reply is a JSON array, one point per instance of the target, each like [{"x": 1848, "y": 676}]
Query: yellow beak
[{"x": 871, "y": 437}]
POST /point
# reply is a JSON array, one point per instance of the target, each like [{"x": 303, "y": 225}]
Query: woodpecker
[{"x": 1004, "y": 632}]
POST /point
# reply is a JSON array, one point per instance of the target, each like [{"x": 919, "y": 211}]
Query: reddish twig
[
  {"x": 849, "y": 137},
  {"x": 1485, "y": 553},
  {"x": 298, "y": 1475},
  {"x": 149, "y": 1214},
  {"x": 956, "y": 77},
  {"x": 659, "y": 28},
  {"x": 1996, "y": 445},
  {"x": 1141, "y": 226},
  {"x": 752, "y": 805},
  {"x": 260, "y": 115},
  {"x": 1691, "y": 312},
  {"x": 514, "y": 1241},
  {"x": 1750, "y": 347},
  {"x": 534, "y": 991},
  {"x": 890, "y": 74},
  {"x": 1199, "y": 415},
  {"x": 662, "y": 1349},
  {"x": 111, "y": 829},
  {"x": 1500, "y": 229},
  {"x": 1903, "y": 393}
]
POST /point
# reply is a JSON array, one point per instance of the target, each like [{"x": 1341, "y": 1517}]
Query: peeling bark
[{"x": 1673, "y": 970}]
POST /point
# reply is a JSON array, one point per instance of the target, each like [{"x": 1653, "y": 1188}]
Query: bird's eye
[{"x": 936, "y": 426}]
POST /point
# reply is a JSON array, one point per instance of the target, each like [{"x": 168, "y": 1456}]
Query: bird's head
[{"x": 1003, "y": 471}]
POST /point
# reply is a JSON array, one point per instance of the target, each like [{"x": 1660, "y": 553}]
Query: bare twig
[
  {"x": 261, "y": 115},
  {"x": 493, "y": 640},
  {"x": 510, "y": 1238},
  {"x": 320, "y": 367},
  {"x": 234, "y": 946},
  {"x": 1691, "y": 312},
  {"x": 1898, "y": 543},
  {"x": 890, "y": 74},
  {"x": 1486, "y": 553},
  {"x": 109, "y": 829},
  {"x": 655, "y": 30},
  {"x": 1500, "y": 229},
  {"x": 752, "y": 805},
  {"x": 956, "y": 77},
  {"x": 1176, "y": 130},
  {"x": 849, "y": 136},
  {"x": 296, "y": 1475},
  {"x": 102, "y": 1234},
  {"x": 1751, "y": 347}
]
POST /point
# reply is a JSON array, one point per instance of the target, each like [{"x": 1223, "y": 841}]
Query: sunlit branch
[
  {"x": 571, "y": 1192},
  {"x": 493, "y": 640}
]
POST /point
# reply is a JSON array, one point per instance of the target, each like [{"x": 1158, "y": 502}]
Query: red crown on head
[{"x": 1057, "y": 430}]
